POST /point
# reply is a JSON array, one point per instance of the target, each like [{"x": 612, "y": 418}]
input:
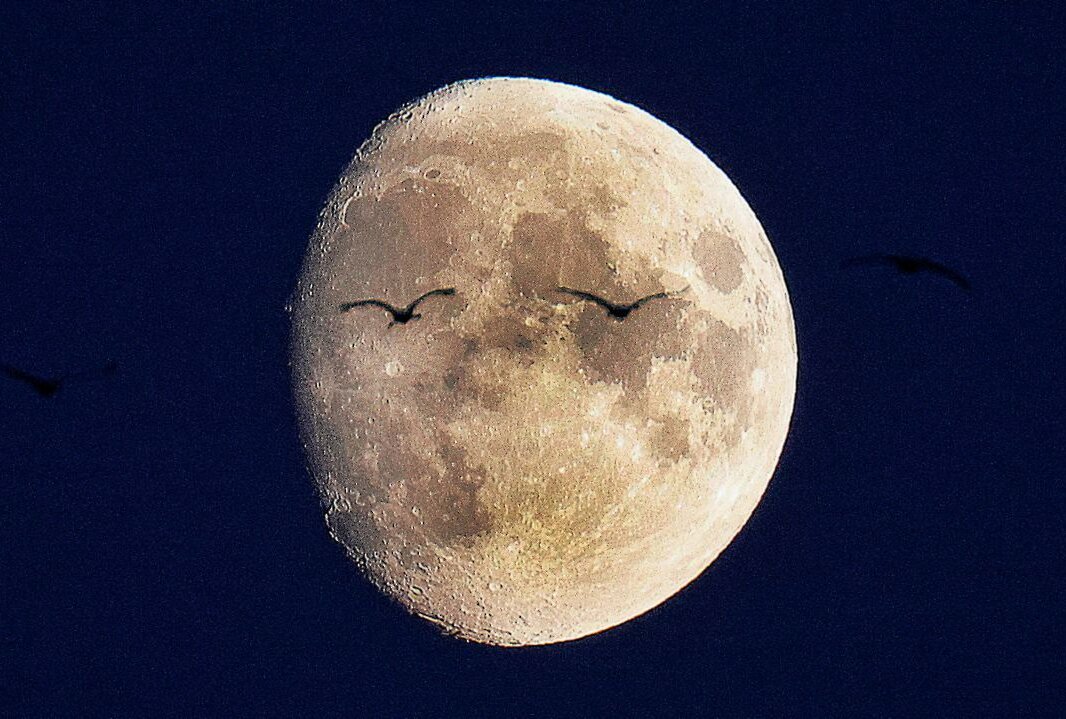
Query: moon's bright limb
[{"x": 517, "y": 466}]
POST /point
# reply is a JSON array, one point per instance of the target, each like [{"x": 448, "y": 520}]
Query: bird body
[
  {"x": 617, "y": 311},
  {"x": 909, "y": 265},
  {"x": 400, "y": 316}
]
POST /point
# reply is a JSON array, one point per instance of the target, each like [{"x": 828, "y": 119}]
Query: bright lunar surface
[{"x": 516, "y": 465}]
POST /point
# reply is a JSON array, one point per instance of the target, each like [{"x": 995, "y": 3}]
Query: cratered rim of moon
[{"x": 515, "y": 465}]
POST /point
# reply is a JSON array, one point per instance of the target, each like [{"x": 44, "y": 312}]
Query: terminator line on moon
[{"x": 516, "y": 465}]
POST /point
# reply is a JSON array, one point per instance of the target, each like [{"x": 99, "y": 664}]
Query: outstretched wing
[
  {"x": 41, "y": 385},
  {"x": 369, "y": 303},
  {"x": 588, "y": 296},
  {"x": 431, "y": 293},
  {"x": 909, "y": 264},
  {"x": 649, "y": 298},
  {"x": 16, "y": 373},
  {"x": 944, "y": 271},
  {"x": 656, "y": 296}
]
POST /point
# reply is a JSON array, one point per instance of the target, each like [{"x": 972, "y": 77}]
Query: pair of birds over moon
[
  {"x": 403, "y": 315},
  {"x": 904, "y": 264}
]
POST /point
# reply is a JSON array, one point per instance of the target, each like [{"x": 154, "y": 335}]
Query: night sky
[{"x": 162, "y": 549}]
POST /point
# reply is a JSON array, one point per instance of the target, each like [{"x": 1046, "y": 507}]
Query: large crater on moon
[{"x": 515, "y": 465}]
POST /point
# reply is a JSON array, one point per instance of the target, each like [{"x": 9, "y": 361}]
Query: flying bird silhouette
[
  {"x": 618, "y": 311},
  {"x": 399, "y": 316},
  {"x": 48, "y": 386},
  {"x": 909, "y": 266}
]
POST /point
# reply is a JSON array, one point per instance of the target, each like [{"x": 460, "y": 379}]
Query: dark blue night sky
[{"x": 162, "y": 551}]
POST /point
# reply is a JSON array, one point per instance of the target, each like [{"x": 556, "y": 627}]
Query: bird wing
[
  {"x": 588, "y": 296},
  {"x": 431, "y": 293},
  {"x": 649, "y": 298},
  {"x": 900, "y": 260},
  {"x": 946, "y": 272},
  {"x": 16, "y": 373},
  {"x": 369, "y": 303}
]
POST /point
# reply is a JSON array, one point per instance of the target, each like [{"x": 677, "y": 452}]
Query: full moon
[{"x": 515, "y": 464}]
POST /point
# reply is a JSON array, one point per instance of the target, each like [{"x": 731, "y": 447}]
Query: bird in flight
[
  {"x": 618, "y": 311},
  {"x": 48, "y": 386},
  {"x": 909, "y": 266},
  {"x": 400, "y": 316}
]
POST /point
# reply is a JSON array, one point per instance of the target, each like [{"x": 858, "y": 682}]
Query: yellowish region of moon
[{"x": 516, "y": 466}]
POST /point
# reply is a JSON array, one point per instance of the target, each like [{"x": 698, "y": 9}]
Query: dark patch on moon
[
  {"x": 456, "y": 515},
  {"x": 721, "y": 258},
  {"x": 458, "y": 381},
  {"x": 410, "y": 232},
  {"x": 403, "y": 489},
  {"x": 669, "y": 438},
  {"x": 547, "y": 251},
  {"x": 509, "y": 333},
  {"x": 536, "y": 148},
  {"x": 723, "y": 363},
  {"x": 605, "y": 201}
]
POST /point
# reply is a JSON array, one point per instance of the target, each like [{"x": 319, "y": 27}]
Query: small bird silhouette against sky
[
  {"x": 909, "y": 266},
  {"x": 49, "y": 386},
  {"x": 399, "y": 316},
  {"x": 618, "y": 311}
]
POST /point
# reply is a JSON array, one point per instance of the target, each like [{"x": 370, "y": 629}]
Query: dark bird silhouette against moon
[
  {"x": 618, "y": 311},
  {"x": 907, "y": 265},
  {"x": 49, "y": 386},
  {"x": 399, "y": 316}
]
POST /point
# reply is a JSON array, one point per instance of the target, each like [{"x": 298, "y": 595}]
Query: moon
[{"x": 515, "y": 465}]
